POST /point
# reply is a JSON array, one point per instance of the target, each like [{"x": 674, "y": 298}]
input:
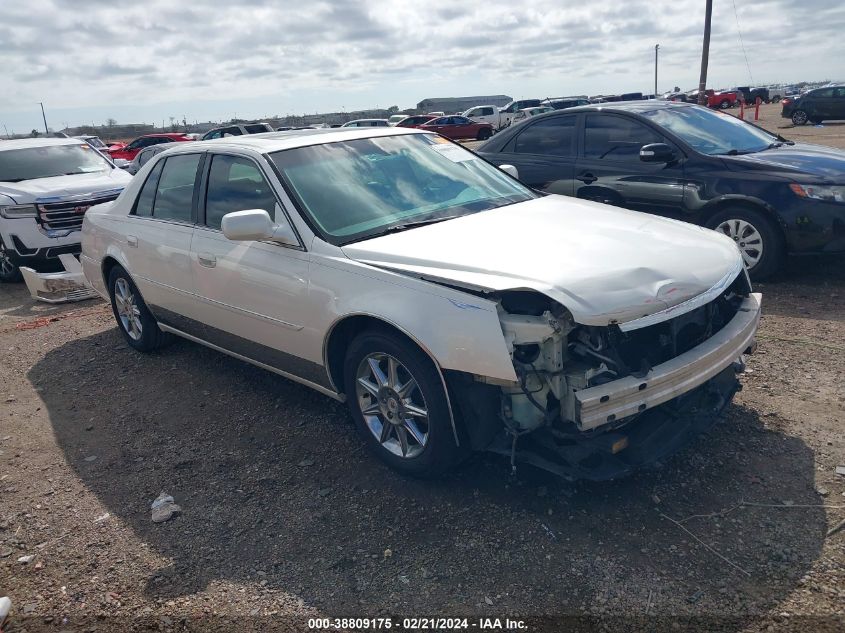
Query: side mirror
[
  {"x": 255, "y": 224},
  {"x": 510, "y": 170},
  {"x": 657, "y": 153}
]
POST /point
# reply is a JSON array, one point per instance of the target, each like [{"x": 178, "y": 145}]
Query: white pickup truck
[
  {"x": 46, "y": 186},
  {"x": 499, "y": 118}
]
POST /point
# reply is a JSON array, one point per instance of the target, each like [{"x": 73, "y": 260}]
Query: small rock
[
  {"x": 28, "y": 608},
  {"x": 695, "y": 597},
  {"x": 25, "y": 560},
  {"x": 840, "y": 470},
  {"x": 306, "y": 462},
  {"x": 90, "y": 427},
  {"x": 323, "y": 492},
  {"x": 11, "y": 399},
  {"x": 823, "y": 492},
  {"x": 656, "y": 499},
  {"x": 5, "y": 553},
  {"x": 91, "y": 458},
  {"x": 388, "y": 553},
  {"x": 164, "y": 508},
  {"x": 488, "y": 601},
  {"x": 404, "y": 580}
]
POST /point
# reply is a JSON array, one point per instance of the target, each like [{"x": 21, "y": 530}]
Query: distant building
[{"x": 459, "y": 104}]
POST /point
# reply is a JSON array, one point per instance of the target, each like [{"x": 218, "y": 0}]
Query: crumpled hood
[
  {"x": 604, "y": 264},
  {"x": 59, "y": 187},
  {"x": 807, "y": 162}
]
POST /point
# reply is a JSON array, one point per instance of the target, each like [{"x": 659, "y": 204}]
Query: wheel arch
[
  {"x": 110, "y": 260},
  {"x": 345, "y": 329},
  {"x": 754, "y": 204}
]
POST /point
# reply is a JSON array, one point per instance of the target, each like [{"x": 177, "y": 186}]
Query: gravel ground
[{"x": 285, "y": 516}]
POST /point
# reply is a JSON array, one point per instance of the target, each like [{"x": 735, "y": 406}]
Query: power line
[{"x": 742, "y": 44}]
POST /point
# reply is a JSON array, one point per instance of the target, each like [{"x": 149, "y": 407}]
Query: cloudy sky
[{"x": 89, "y": 60}]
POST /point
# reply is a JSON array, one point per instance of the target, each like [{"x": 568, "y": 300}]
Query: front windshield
[
  {"x": 710, "y": 132},
  {"x": 48, "y": 161},
  {"x": 357, "y": 189}
]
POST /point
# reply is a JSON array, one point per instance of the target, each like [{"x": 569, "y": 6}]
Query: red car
[
  {"x": 128, "y": 152},
  {"x": 415, "y": 120},
  {"x": 458, "y": 127}
]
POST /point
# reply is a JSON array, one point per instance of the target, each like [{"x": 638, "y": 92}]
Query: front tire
[
  {"x": 799, "y": 117},
  {"x": 9, "y": 271},
  {"x": 134, "y": 320},
  {"x": 758, "y": 238},
  {"x": 396, "y": 398},
  {"x": 483, "y": 134}
]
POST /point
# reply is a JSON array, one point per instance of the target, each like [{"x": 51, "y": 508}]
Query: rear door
[
  {"x": 609, "y": 168},
  {"x": 159, "y": 234},
  {"x": 254, "y": 294},
  {"x": 544, "y": 154}
]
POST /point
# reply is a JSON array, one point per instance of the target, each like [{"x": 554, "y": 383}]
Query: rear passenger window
[
  {"x": 144, "y": 204},
  {"x": 552, "y": 137},
  {"x": 175, "y": 191},
  {"x": 255, "y": 129},
  {"x": 616, "y": 138},
  {"x": 235, "y": 184}
]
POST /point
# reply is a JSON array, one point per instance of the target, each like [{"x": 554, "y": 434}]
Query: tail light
[{"x": 786, "y": 101}]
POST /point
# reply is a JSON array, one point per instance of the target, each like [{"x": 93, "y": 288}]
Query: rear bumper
[{"x": 613, "y": 401}]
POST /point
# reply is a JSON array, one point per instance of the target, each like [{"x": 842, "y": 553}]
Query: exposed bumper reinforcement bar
[
  {"x": 61, "y": 287},
  {"x": 605, "y": 404}
]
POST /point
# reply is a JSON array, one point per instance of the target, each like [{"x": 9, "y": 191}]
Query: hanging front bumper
[{"x": 61, "y": 287}]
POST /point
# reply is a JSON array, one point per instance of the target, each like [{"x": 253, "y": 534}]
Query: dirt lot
[{"x": 286, "y": 516}]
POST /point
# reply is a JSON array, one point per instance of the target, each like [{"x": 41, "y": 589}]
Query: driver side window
[{"x": 235, "y": 184}]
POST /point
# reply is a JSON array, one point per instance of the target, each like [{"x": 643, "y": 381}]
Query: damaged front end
[
  {"x": 597, "y": 402},
  {"x": 59, "y": 287}
]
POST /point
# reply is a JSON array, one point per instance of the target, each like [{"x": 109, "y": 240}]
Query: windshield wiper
[
  {"x": 412, "y": 225},
  {"x": 739, "y": 152}
]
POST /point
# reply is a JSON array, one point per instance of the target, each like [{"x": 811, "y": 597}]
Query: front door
[
  {"x": 609, "y": 168},
  {"x": 255, "y": 293}
]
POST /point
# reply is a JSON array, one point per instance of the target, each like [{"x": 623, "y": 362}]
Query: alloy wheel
[
  {"x": 127, "y": 309},
  {"x": 392, "y": 405},
  {"x": 799, "y": 117},
  {"x": 7, "y": 268},
  {"x": 747, "y": 238}
]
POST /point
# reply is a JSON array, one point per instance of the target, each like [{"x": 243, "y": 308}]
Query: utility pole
[
  {"x": 44, "y": 116},
  {"x": 705, "y": 54},
  {"x": 656, "y": 46}
]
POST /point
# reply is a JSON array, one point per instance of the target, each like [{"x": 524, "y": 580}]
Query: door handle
[
  {"x": 132, "y": 241},
  {"x": 207, "y": 259},
  {"x": 587, "y": 178}
]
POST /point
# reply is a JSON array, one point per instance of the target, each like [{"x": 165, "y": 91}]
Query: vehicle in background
[
  {"x": 128, "y": 152},
  {"x": 821, "y": 104},
  {"x": 240, "y": 129},
  {"x": 526, "y": 113},
  {"x": 46, "y": 186},
  {"x": 583, "y": 338},
  {"x": 508, "y": 112},
  {"x": 393, "y": 119},
  {"x": 458, "y": 127},
  {"x": 750, "y": 95},
  {"x": 674, "y": 95},
  {"x": 721, "y": 100},
  {"x": 95, "y": 142},
  {"x": 484, "y": 114},
  {"x": 562, "y": 103},
  {"x": 415, "y": 120},
  {"x": 366, "y": 123},
  {"x": 141, "y": 158},
  {"x": 436, "y": 113},
  {"x": 770, "y": 195}
]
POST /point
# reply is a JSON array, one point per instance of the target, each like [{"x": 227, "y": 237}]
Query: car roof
[
  {"x": 638, "y": 107},
  {"x": 276, "y": 141},
  {"x": 24, "y": 143}
]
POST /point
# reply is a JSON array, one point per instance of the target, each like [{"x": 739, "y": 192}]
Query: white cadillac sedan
[{"x": 451, "y": 307}]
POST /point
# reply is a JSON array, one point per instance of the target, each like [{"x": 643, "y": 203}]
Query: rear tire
[
  {"x": 724, "y": 104},
  {"x": 758, "y": 238},
  {"x": 799, "y": 117},
  {"x": 9, "y": 272},
  {"x": 389, "y": 384},
  {"x": 134, "y": 319}
]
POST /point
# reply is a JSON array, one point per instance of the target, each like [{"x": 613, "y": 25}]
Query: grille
[{"x": 67, "y": 216}]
